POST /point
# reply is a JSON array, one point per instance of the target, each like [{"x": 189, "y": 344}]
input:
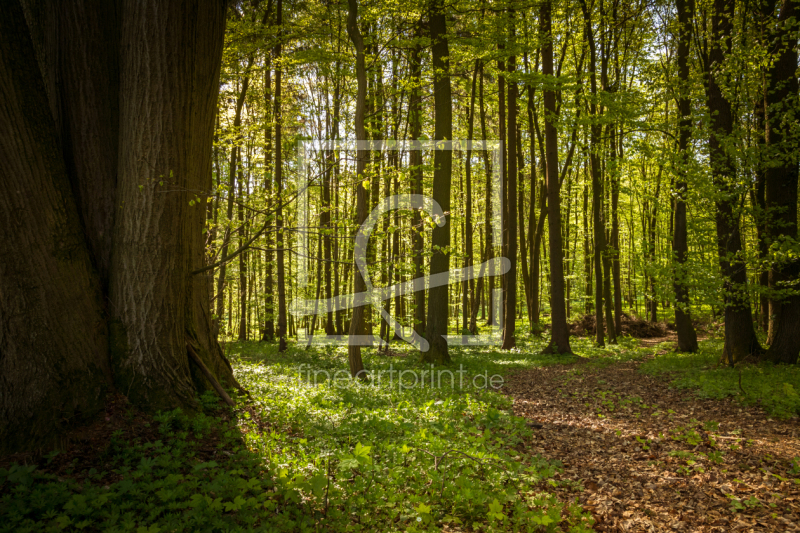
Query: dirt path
[{"x": 653, "y": 458}]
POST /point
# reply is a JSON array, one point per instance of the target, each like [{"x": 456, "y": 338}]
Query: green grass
[
  {"x": 317, "y": 455},
  {"x": 772, "y": 387}
]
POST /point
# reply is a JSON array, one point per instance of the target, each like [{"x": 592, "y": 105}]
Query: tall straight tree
[
  {"x": 438, "y": 307},
  {"x": 687, "y": 337},
  {"x": 740, "y": 337},
  {"x": 359, "y": 286},
  {"x": 415, "y": 161},
  {"x": 470, "y": 302},
  {"x": 280, "y": 240},
  {"x": 510, "y": 309},
  {"x": 232, "y": 170},
  {"x": 269, "y": 300},
  {"x": 107, "y": 230},
  {"x": 597, "y": 183},
  {"x": 559, "y": 342}
]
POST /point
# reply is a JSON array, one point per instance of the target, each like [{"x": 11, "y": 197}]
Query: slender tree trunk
[
  {"x": 687, "y": 337},
  {"x": 325, "y": 217},
  {"x": 759, "y": 202},
  {"x": 650, "y": 279},
  {"x": 509, "y": 326},
  {"x": 232, "y": 171},
  {"x": 470, "y": 304},
  {"x": 243, "y": 307},
  {"x": 269, "y": 300},
  {"x": 597, "y": 183},
  {"x": 487, "y": 166},
  {"x": 357, "y": 321},
  {"x": 559, "y": 342},
  {"x": 415, "y": 160},
  {"x": 615, "y": 232},
  {"x": 280, "y": 240},
  {"x": 587, "y": 264},
  {"x": 436, "y": 326}
]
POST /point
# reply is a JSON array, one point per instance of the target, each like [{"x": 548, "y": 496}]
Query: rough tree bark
[
  {"x": 141, "y": 160},
  {"x": 54, "y": 365}
]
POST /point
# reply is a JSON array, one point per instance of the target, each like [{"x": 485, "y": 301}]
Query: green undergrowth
[
  {"x": 771, "y": 387},
  {"x": 316, "y": 451},
  {"x": 625, "y": 349}
]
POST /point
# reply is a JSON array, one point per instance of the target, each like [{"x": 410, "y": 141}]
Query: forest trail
[{"x": 654, "y": 458}]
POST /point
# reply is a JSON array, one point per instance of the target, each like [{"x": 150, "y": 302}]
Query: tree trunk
[
  {"x": 280, "y": 238},
  {"x": 269, "y": 173},
  {"x": 687, "y": 337},
  {"x": 781, "y": 182},
  {"x": 357, "y": 321},
  {"x": 54, "y": 366},
  {"x": 615, "y": 233},
  {"x": 509, "y": 326},
  {"x": 415, "y": 160},
  {"x": 487, "y": 167},
  {"x": 443, "y": 161},
  {"x": 559, "y": 342},
  {"x": 597, "y": 184},
  {"x": 470, "y": 304},
  {"x": 158, "y": 309},
  {"x": 740, "y": 338},
  {"x": 166, "y": 128},
  {"x": 241, "y": 219}
]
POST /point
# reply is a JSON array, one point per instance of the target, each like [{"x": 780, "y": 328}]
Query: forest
[{"x": 434, "y": 265}]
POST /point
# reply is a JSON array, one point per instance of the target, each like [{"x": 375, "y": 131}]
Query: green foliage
[
  {"x": 772, "y": 387},
  {"x": 342, "y": 455}
]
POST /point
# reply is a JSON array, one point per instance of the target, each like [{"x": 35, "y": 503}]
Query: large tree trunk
[
  {"x": 436, "y": 326},
  {"x": 687, "y": 338},
  {"x": 53, "y": 364},
  {"x": 781, "y": 182},
  {"x": 740, "y": 338},
  {"x": 158, "y": 309},
  {"x": 559, "y": 342},
  {"x": 166, "y": 127}
]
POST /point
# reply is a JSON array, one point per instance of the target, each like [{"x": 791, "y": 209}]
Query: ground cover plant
[
  {"x": 769, "y": 386},
  {"x": 310, "y": 452},
  {"x": 313, "y": 450}
]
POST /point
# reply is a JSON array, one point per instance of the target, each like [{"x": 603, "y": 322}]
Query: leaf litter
[{"x": 642, "y": 456}]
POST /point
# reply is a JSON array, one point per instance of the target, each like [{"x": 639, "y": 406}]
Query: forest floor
[
  {"x": 628, "y": 437},
  {"x": 645, "y": 456}
]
